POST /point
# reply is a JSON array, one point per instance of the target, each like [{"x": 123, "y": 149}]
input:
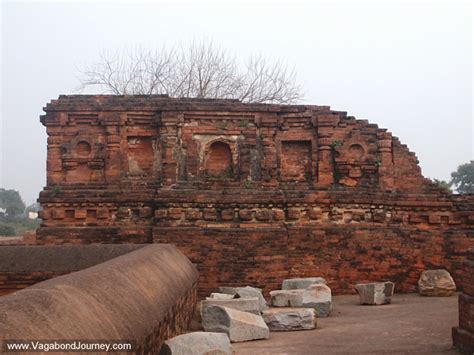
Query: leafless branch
[{"x": 201, "y": 70}]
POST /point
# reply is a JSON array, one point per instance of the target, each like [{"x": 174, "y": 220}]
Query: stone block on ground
[
  {"x": 221, "y": 296},
  {"x": 436, "y": 283},
  {"x": 238, "y": 325},
  {"x": 375, "y": 293},
  {"x": 246, "y": 292},
  {"x": 250, "y": 305},
  {"x": 318, "y": 296},
  {"x": 287, "y": 298},
  {"x": 281, "y": 319},
  {"x": 301, "y": 282},
  {"x": 198, "y": 343}
]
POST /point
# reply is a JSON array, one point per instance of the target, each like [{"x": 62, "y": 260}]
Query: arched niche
[{"x": 218, "y": 161}]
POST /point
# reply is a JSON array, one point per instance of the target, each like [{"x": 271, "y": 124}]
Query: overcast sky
[{"x": 406, "y": 66}]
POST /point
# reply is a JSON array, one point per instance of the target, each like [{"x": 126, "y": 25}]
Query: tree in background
[
  {"x": 34, "y": 207},
  {"x": 200, "y": 70},
  {"x": 463, "y": 178},
  {"x": 10, "y": 200},
  {"x": 446, "y": 186},
  {"x": 13, "y": 215}
]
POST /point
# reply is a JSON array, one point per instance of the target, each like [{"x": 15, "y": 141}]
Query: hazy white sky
[{"x": 406, "y": 66}]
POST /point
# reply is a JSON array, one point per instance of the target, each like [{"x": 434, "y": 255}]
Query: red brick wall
[
  {"x": 305, "y": 190},
  {"x": 234, "y": 242},
  {"x": 345, "y": 255}
]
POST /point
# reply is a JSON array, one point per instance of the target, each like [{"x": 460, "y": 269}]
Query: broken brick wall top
[
  {"x": 251, "y": 193},
  {"x": 123, "y": 139},
  {"x": 118, "y": 139}
]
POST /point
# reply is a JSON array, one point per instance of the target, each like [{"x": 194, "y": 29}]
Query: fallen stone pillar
[{"x": 143, "y": 297}]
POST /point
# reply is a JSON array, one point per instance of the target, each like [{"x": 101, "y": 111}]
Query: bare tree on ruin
[{"x": 201, "y": 70}]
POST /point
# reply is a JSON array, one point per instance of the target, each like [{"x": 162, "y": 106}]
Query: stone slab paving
[{"x": 412, "y": 324}]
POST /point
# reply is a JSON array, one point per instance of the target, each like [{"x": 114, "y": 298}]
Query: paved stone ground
[{"x": 412, "y": 324}]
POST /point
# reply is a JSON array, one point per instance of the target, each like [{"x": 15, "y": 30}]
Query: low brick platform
[{"x": 24, "y": 266}]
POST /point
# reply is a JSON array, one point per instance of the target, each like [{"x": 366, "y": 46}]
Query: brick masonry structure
[
  {"x": 463, "y": 335},
  {"x": 250, "y": 193}
]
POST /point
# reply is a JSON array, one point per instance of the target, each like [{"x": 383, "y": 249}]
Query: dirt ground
[{"x": 412, "y": 324}]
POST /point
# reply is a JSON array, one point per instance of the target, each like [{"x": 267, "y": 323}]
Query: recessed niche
[
  {"x": 356, "y": 151},
  {"x": 83, "y": 149},
  {"x": 295, "y": 163},
  {"x": 218, "y": 161},
  {"x": 80, "y": 173},
  {"x": 140, "y": 155}
]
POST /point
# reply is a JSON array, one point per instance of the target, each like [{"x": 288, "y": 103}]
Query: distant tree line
[
  {"x": 11, "y": 202},
  {"x": 462, "y": 180}
]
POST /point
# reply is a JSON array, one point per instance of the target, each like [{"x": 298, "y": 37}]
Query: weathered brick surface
[
  {"x": 251, "y": 193},
  {"x": 175, "y": 322},
  {"x": 463, "y": 335}
]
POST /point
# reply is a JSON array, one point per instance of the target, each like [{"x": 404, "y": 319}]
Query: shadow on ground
[{"x": 412, "y": 324}]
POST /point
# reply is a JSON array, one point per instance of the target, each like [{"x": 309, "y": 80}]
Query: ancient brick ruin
[{"x": 251, "y": 193}]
